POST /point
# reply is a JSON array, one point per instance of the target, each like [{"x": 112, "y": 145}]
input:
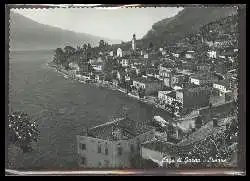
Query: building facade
[
  {"x": 114, "y": 144},
  {"x": 149, "y": 84},
  {"x": 119, "y": 52},
  {"x": 174, "y": 79},
  {"x": 125, "y": 62},
  {"x": 134, "y": 43},
  {"x": 194, "y": 97},
  {"x": 202, "y": 79}
]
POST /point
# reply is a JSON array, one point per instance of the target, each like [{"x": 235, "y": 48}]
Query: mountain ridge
[
  {"x": 26, "y": 34},
  {"x": 188, "y": 20}
]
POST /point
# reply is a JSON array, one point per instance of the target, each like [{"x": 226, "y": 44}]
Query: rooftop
[
  {"x": 185, "y": 72},
  {"x": 186, "y": 145},
  {"x": 204, "y": 132},
  {"x": 187, "y": 86},
  {"x": 225, "y": 82},
  {"x": 119, "y": 129},
  {"x": 160, "y": 145},
  {"x": 146, "y": 80},
  {"x": 172, "y": 94},
  {"x": 203, "y": 76}
]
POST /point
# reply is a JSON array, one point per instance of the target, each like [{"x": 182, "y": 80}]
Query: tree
[
  {"x": 22, "y": 132},
  {"x": 59, "y": 57},
  {"x": 69, "y": 50},
  {"x": 90, "y": 68},
  {"x": 85, "y": 46},
  {"x": 108, "y": 76}
]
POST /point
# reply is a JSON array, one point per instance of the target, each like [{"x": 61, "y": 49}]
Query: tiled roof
[
  {"x": 204, "y": 76},
  {"x": 187, "y": 145},
  {"x": 160, "y": 145},
  {"x": 125, "y": 128},
  {"x": 188, "y": 86},
  {"x": 172, "y": 94},
  {"x": 224, "y": 82},
  {"x": 203, "y": 132}
]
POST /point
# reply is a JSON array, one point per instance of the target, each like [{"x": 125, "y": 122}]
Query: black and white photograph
[{"x": 123, "y": 88}]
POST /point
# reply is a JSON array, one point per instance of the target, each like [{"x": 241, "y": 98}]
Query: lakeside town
[{"x": 194, "y": 79}]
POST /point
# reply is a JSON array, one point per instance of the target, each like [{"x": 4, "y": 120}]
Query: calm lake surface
[{"x": 62, "y": 108}]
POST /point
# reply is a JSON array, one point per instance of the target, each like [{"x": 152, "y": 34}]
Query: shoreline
[
  {"x": 147, "y": 100},
  {"x": 108, "y": 86}
]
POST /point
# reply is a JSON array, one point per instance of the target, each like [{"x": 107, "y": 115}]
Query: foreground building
[
  {"x": 203, "y": 78},
  {"x": 114, "y": 144},
  {"x": 166, "y": 154}
]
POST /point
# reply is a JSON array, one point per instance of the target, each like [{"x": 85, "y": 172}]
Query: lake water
[{"x": 62, "y": 108}]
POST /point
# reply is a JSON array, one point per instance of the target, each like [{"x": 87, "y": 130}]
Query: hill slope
[
  {"x": 188, "y": 20},
  {"x": 26, "y": 34}
]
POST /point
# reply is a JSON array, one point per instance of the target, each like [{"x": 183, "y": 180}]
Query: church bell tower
[{"x": 134, "y": 42}]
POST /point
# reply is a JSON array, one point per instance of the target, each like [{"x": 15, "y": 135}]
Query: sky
[{"x": 116, "y": 23}]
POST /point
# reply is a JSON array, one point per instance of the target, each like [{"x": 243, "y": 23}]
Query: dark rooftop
[
  {"x": 204, "y": 132},
  {"x": 172, "y": 94},
  {"x": 146, "y": 80},
  {"x": 203, "y": 76},
  {"x": 119, "y": 129},
  {"x": 160, "y": 145},
  {"x": 188, "y": 144}
]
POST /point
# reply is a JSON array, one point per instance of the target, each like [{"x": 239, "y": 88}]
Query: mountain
[
  {"x": 26, "y": 34},
  {"x": 189, "y": 20}
]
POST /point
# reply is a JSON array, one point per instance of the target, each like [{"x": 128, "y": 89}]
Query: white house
[
  {"x": 125, "y": 62},
  {"x": 74, "y": 66},
  {"x": 176, "y": 55},
  {"x": 145, "y": 56},
  {"x": 165, "y": 72},
  {"x": 194, "y": 80},
  {"x": 189, "y": 54},
  {"x": 98, "y": 66},
  {"x": 115, "y": 144},
  {"x": 164, "y": 52},
  {"x": 211, "y": 54},
  {"x": 167, "y": 97},
  {"x": 222, "y": 86},
  {"x": 119, "y": 52},
  {"x": 205, "y": 78}
]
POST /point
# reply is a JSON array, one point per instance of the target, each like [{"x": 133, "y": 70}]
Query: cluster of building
[
  {"x": 181, "y": 78},
  {"x": 176, "y": 76},
  {"x": 127, "y": 143}
]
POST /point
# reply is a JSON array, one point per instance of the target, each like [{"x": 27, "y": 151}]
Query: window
[
  {"x": 119, "y": 150},
  {"x": 99, "y": 149},
  {"x": 83, "y": 146},
  {"x": 106, "y": 151},
  {"x": 83, "y": 160},
  {"x": 132, "y": 149}
]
